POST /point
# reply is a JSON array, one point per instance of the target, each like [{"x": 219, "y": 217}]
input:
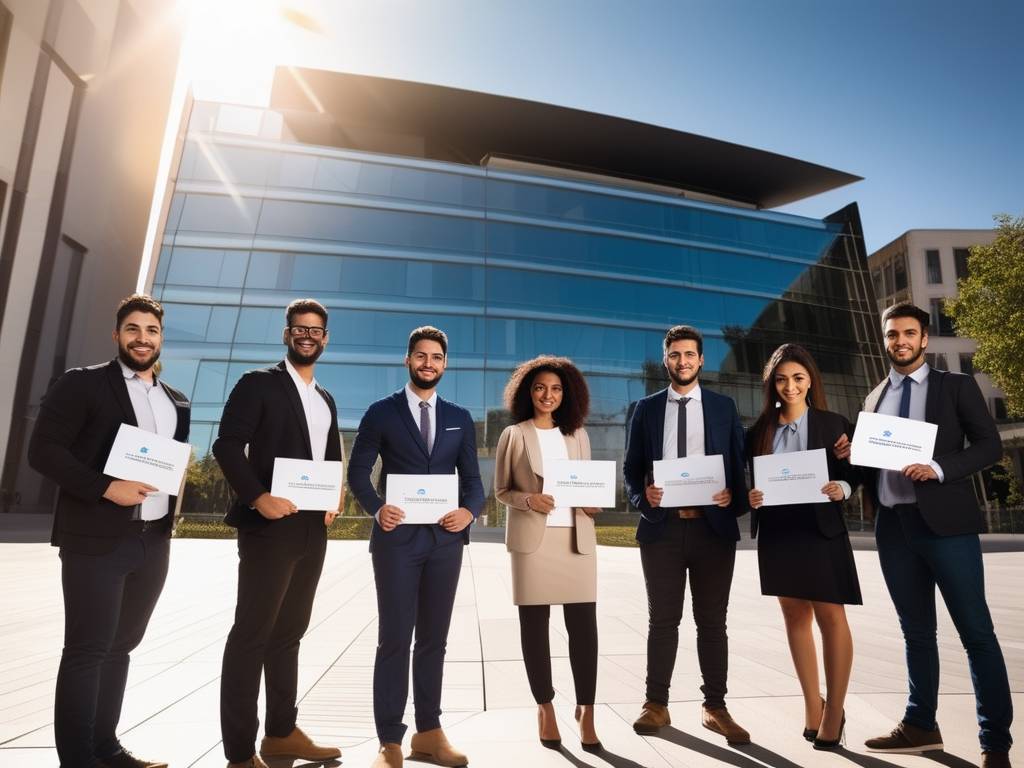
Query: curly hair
[{"x": 575, "y": 406}]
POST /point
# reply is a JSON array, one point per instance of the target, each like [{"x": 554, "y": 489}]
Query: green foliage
[
  {"x": 206, "y": 490},
  {"x": 990, "y": 309},
  {"x": 1005, "y": 484}
]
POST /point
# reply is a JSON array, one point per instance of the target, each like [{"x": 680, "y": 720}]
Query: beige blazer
[{"x": 518, "y": 472}]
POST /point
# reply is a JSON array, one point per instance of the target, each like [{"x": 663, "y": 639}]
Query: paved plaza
[{"x": 171, "y": 707}]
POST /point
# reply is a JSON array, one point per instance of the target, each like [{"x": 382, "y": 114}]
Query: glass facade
[{"x": 510, "y": 265}]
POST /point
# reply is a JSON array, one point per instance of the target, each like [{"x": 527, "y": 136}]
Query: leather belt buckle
[{"x": 689, "y": 513}]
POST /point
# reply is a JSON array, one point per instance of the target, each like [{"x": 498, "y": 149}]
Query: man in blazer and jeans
[
  {"x": 415, "y": 567},
  {"x": 926, "y": 526},
  {"x": 114, "y": 535},
  {"x": 276, "y": 412},
  {"x": 686, "y": 420}
]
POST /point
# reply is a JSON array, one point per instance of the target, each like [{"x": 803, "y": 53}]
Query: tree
[{"x": 990, "y": 308}]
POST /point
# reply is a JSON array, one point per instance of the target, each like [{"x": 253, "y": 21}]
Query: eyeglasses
[{"x": 313, "y": 331}]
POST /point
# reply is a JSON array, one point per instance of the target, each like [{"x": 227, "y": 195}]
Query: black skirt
[{"x": 796, "y": 560}]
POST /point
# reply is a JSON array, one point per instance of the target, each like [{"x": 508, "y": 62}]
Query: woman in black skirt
[{"x": 803, "y": 550}]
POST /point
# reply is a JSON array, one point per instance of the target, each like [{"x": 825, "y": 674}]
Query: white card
[
  {"x": 690, "y": 482},
  {"x": 309, "y": 485},
  {"x": 425, "y": 499},
  {"x": 791, "y": 478},
  {"x": 889, "y": 442},
  {"x": 146, "y": 457},
  {"x": 579, "y": 483}
]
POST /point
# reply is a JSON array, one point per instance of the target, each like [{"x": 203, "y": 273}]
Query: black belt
[{"x": 900, "y": 507}]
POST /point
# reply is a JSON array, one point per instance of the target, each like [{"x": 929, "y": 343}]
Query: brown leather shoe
[
  {"x": 720, "y": 721},
  {"x": 296, "y": 745},
  {"x": 653, "y": 718},
  {"x": 995, "y": 760},
  {"x": 390, "y": 756},
  {"x": 252, "y": 762},
  {"x": 432, "y": 747}
]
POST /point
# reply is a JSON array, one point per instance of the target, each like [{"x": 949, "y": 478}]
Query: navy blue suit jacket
[
  {"x": 388, "y": 430},
  {"x": 723, "y": 435}
]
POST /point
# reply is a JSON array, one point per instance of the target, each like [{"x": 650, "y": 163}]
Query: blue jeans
[{"x": 914, "y": 561}]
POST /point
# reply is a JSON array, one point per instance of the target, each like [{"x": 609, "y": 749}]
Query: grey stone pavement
[{"x": 171, "y": 705}]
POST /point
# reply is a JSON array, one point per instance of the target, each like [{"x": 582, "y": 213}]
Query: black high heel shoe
[
  {"x": 812, "y": 733},
  {"x": 831, "y": 745},
  {"x": 594, "y": 747},
  {"x": 555, "y": 744}
]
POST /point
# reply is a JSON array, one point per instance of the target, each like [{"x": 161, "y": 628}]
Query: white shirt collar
[
  {"x": 129, "y": 374},
  {"x": 896, "y": 379},
  {"x": 693, "y": 394},
  {"x": 415, "y": 400},
  {"x": 295, "y": 375}
]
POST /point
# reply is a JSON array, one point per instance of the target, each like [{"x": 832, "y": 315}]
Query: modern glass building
[{"x": 518, "y": 228}]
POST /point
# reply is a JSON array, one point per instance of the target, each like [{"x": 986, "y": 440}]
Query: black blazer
[
  {"x": 956, "y": 405},
  {"x": 75, "y": 429},
  {"x": 388, "y": 430},
  {"x": 264, "y": 412},
  {"x": 823, "y": 429},
  {"x": 722, "y": 434}
]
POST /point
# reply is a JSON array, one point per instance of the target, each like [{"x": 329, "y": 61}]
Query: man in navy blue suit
[
  {"x": 686, "y": 420},
  {"x": 416, "y": 567}
]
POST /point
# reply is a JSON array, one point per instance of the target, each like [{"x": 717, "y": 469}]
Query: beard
[
  {"x": 125, "y": 356},
  {"x": 681, "y": 381},
  {"x": 911, "y": 361},
  {"x": 423, "y": 383},
  {"x": 305, "y": 358}
]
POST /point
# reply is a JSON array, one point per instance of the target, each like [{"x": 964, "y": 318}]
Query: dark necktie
[
  {"x": 905, "y": 398},
  {"x": 425, "y": 424},
  {"x": 681, "y": 428}
]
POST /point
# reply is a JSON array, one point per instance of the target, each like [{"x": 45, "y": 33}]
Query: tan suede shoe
[
  {"x": 252, "y": 762},
  {"x": 296, "y": 745},
  {"x": 720, "y": 721},
  {"x": 433, "y": 747},
  {"x": 653, "y": 718},
  {"x": 390, "y": 756}
]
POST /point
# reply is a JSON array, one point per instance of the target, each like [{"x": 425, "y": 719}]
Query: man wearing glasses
[{"x": 274, "y": 412}]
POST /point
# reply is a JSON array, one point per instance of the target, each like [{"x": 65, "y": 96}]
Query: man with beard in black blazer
[
  {"x": 927, "y": 523},
  {"x": 276, "y": 412},
  {"x": 114, "y": 535}
]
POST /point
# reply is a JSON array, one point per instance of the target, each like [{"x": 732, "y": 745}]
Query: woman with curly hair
[
  {"x": 552, "y": 548},
  {"x": 803, "y": 550}
]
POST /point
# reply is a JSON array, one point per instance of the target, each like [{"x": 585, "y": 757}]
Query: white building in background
[
  {"x": 923, "y": 266},
  {"x": 85, "y": 88}
]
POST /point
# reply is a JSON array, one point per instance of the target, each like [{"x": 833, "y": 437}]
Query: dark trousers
[
  {"x": 581, "y": 624},
  {"x": 416, "y": 584},
  {"x": 914, "y": 561},
  {"x": 108, "y": 600},
  {"x": 688, "y": 547},
  {"x": 278, "y": 569}
]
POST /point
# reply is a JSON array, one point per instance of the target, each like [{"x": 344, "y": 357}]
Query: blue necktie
[
  {"x": 789, "y": 438},
  {"x": 905, "y": 398},
  {"x": 425, "y": 425}
]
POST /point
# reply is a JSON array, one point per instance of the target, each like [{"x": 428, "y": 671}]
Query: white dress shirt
[
  {"x": 895, "y": 487},
  {"x": 694, "y": 425},
  {"x": 154, "y": 412},
  {"x": 414, "y": 408},
  {"x": 318, "y": 414}
]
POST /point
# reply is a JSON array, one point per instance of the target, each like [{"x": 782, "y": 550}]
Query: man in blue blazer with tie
[
  {"x": 686, "y": 420},
  {"x": 415, "y": 567}
]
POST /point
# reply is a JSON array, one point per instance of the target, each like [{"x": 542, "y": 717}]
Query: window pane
[
  {"x": 934, "y": 266},
  {"x": 960, "y": 262},
  {"x": 967, "y": 363}
]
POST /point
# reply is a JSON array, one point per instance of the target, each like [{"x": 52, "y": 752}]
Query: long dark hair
[
  {"x": 569, "y": 416},
  {"x": 763, "y": 432}
]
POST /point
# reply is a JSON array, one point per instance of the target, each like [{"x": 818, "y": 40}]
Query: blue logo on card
[
  {"x": 573, "y": 477},
  {"x": 887, "y": 433},
  {"x": 785, "y": 471},
  {"x": 684, "y": 474},
  {"x": 421, "y": 492},
  {"x": 143, "y": 449},
  {"x": 305, "y": 478}
]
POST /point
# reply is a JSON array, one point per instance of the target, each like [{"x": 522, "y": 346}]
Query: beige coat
[{"x": 518, "y": 472}]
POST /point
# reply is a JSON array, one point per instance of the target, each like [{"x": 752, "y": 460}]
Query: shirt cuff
[
  {"x": 847, "y": 491},
  {"x": 376, "y": 516},
  {"x": 938, "y": 470}
]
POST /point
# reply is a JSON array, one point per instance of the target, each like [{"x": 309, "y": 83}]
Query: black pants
[
  {"x": 108, "y": 600},
  {"x": 581, "y": 624},
  {"x": 688, "y": 546},
  {"x": 278, "y": 569}
]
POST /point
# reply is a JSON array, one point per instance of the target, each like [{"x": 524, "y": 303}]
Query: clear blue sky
[{"x": 924, "y": 99}]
